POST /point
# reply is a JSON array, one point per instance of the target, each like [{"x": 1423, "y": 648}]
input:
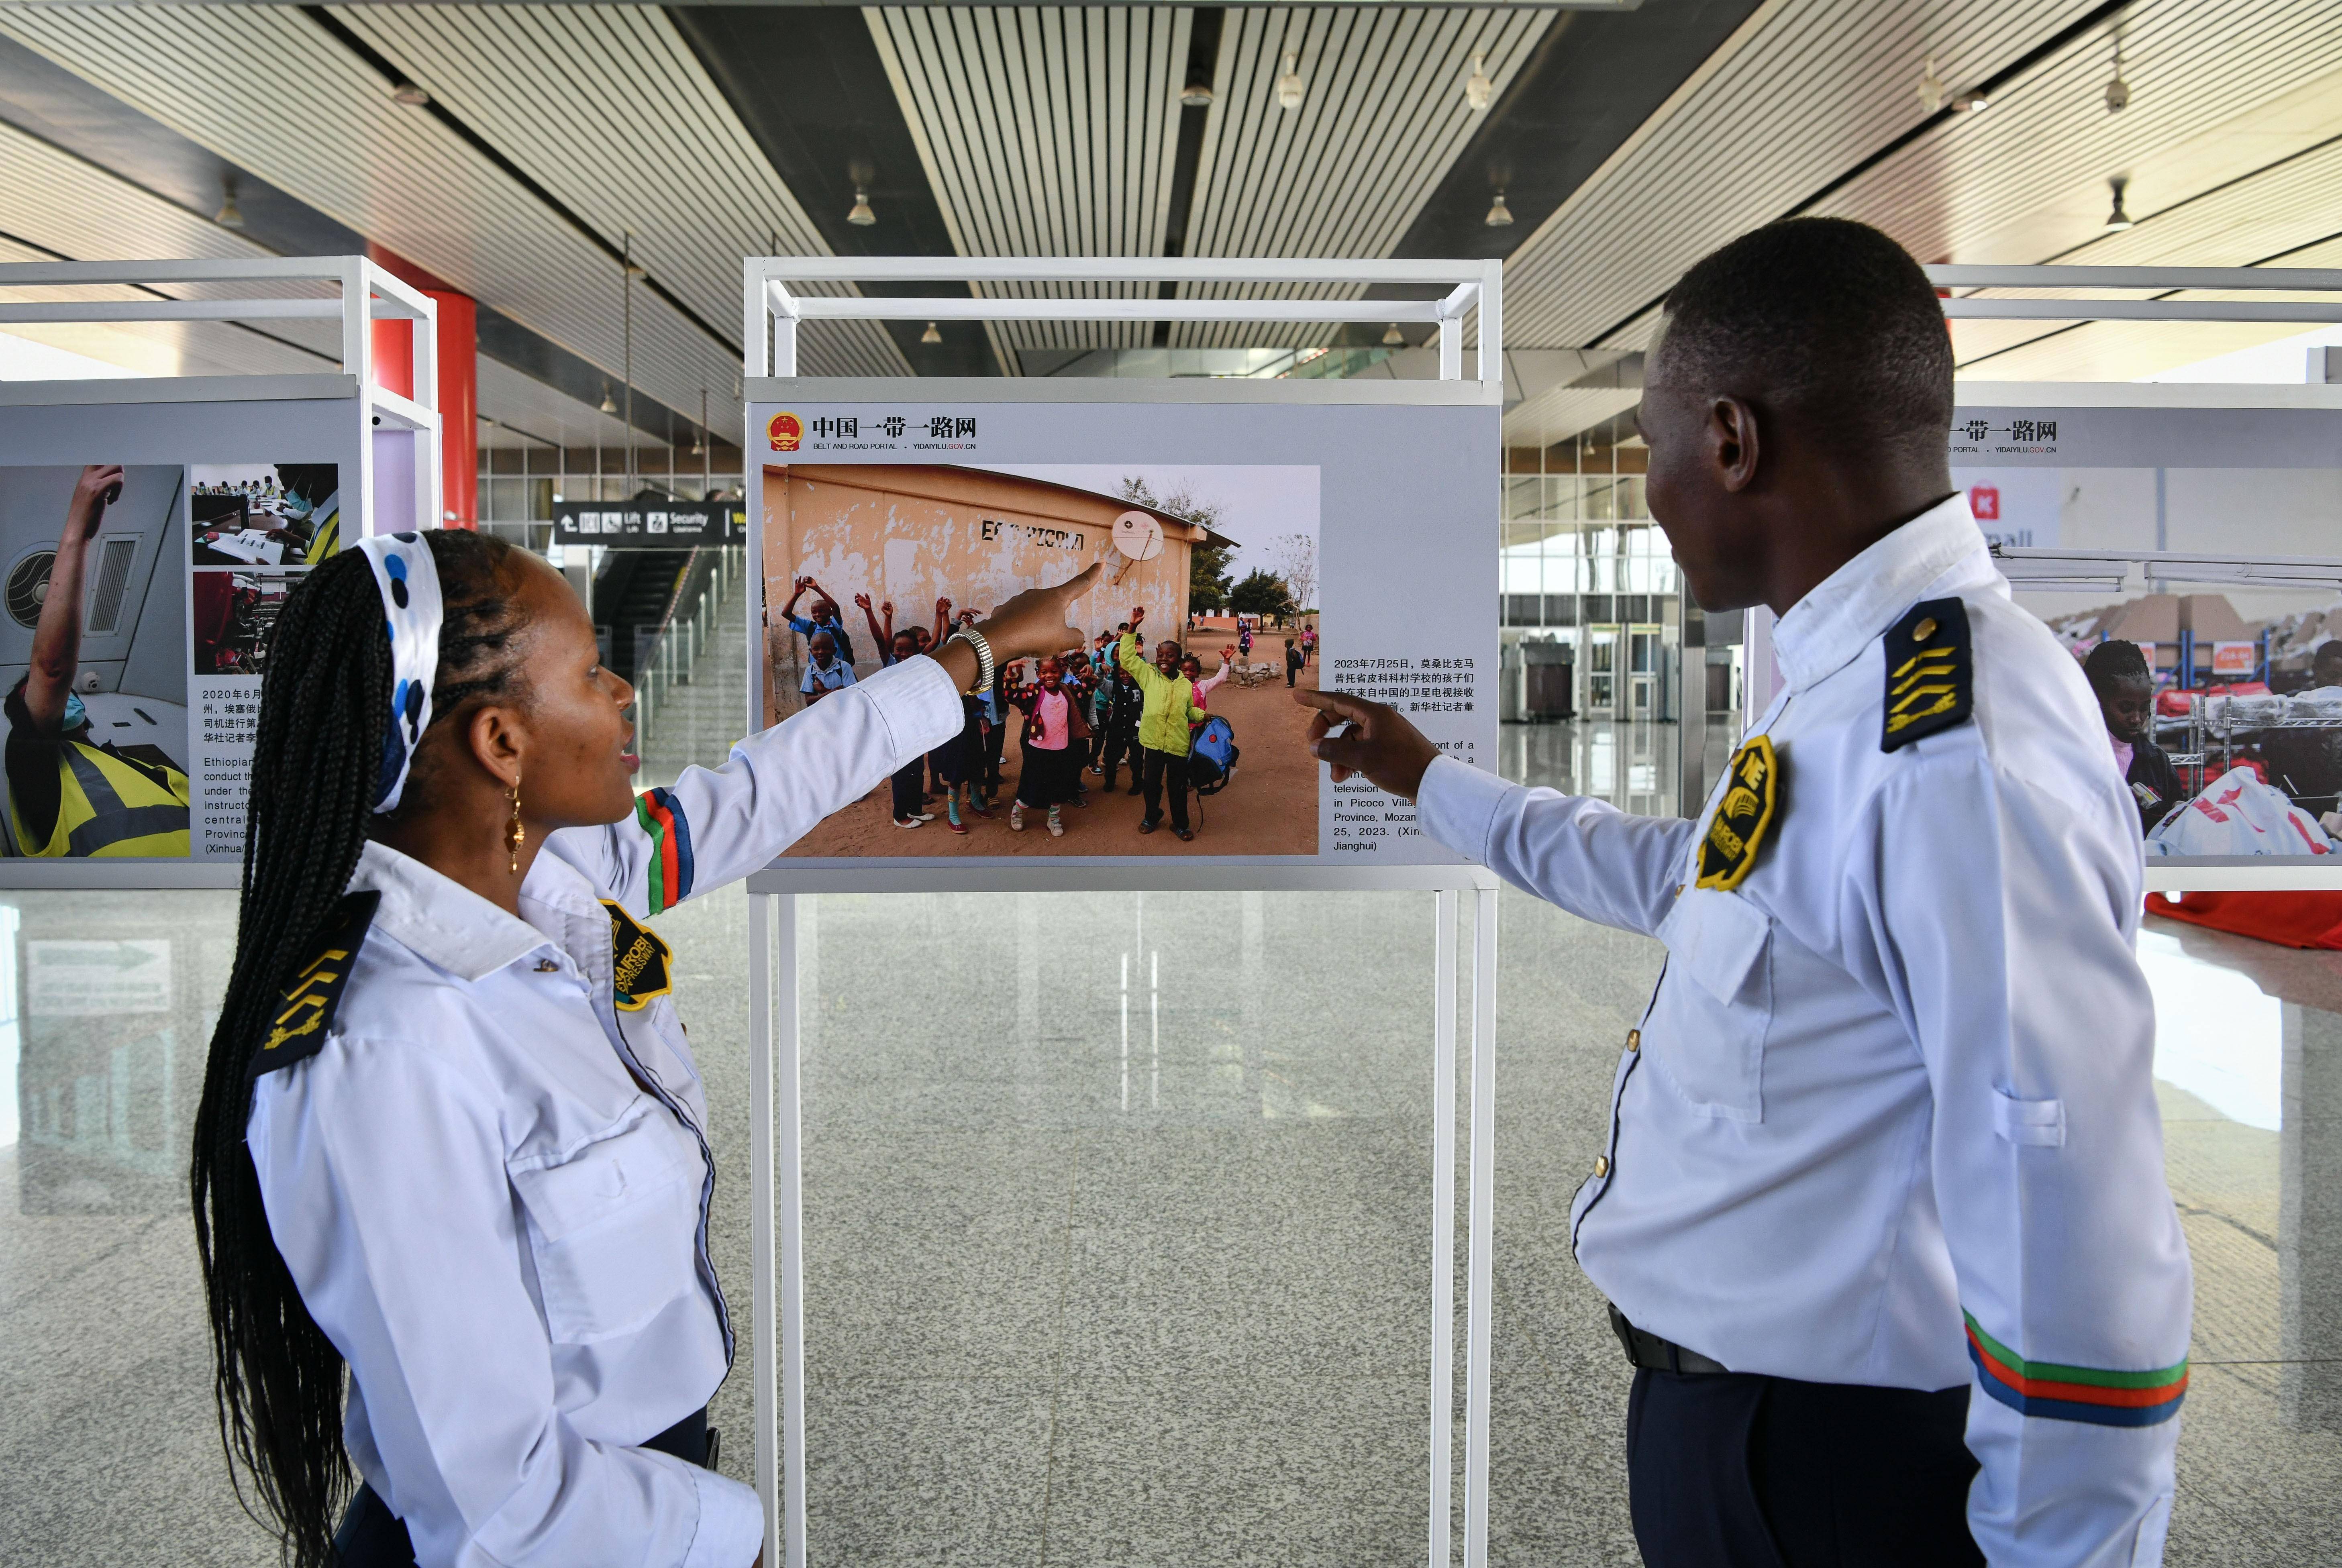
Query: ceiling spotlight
[
  {"x": 1499, "y": 215},
  {"x": 932, "y": 335},
  {"x": 1393, "y": 337},
  {"x": 1932, "y": 91},
  {"x": 1290, "y": 86},
  {"x": 2118, "y": 90},
  {"x": 1971, "y": 101},
  {"x": 860, "y": 215},
  {"x": 408, "y": 94},
  {"x": 2118, "y": 220},
  {"x": 1197, "y": 93},
  {"x": 1477, "y": 88},
  {"x": 609, "y": 404},
  {"x": 230, "y": 215}
]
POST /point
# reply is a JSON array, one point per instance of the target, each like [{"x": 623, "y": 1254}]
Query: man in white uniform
[{"x": 1881, "y": 1209}]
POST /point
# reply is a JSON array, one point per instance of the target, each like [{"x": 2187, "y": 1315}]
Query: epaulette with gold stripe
[
  {"x": 306, "y": 1011},
  {"x": 1930, "y": 673}
]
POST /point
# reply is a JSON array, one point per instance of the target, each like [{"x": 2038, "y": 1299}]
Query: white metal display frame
[
  {"x": 771, "y": 316},
  {"x": 362, "y": 294},
  {"x": 365, "y": 294}
]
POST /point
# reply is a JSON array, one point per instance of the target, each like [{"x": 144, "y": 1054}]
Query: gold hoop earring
[{"x": 515, "y": 835}]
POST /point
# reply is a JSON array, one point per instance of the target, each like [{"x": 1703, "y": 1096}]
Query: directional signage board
[{"x": 646, "y": 524}]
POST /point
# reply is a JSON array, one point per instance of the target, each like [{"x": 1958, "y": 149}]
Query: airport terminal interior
[{"x": 1118, "y": 1202}]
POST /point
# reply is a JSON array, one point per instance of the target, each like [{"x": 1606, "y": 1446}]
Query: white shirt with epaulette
[
  {"x": 1890, "y": 1118},
  {"x": 486, "y": 1162}
]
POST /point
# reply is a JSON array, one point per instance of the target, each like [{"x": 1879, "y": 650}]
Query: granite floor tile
[{"x": 1166, "y": 1473}]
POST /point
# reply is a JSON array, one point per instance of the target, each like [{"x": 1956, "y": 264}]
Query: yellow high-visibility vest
[{"x": 105, "y": 806}]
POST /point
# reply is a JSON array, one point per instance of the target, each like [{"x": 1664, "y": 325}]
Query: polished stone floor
[{"x": 1117, "y": 1222}]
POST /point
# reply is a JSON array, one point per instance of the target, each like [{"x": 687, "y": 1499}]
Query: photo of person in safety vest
[{"x": 70, "y": 795}]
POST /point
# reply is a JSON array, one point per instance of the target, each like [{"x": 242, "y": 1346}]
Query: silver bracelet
[{"x": 983, "y": 651}]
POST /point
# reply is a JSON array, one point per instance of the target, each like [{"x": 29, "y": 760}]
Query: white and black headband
[{"x": 411, "y": 608}]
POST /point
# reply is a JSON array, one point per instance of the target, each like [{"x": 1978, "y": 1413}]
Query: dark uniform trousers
[
  {"x": 1736, "y": 1470},
  {"x": 372, "y": 1536}
]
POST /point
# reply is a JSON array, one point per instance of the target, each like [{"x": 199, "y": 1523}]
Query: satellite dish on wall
[{"x": 1137, "y": 537}]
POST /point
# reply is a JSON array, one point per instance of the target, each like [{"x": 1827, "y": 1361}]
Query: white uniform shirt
[
  {"x": 491, "y": 1183},
  {"x": 1903, "y": 1071}
]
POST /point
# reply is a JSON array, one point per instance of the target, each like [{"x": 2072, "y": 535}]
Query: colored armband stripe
[
  {"x": 670, "y": 861},
  {"x": 2074, "y": 1393}
]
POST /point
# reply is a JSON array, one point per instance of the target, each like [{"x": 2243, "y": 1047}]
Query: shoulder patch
[
  {"x": 1930, "y": 673},
  {"x": 306, "y": 1011},
  {"x": 642, "y": 967},
  {"x": 1752, "y": 791}
]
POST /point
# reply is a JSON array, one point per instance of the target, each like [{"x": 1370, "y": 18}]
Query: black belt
[{"x": 1647, "y": 1351}]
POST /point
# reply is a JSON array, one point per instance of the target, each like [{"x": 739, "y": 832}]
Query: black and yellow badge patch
[
  {"x": 642, "y": 967},
  {"x": 305, "y": 1011},
  {"x": 1930, "y": 673},
  {"x": 1752, "y": 789}
]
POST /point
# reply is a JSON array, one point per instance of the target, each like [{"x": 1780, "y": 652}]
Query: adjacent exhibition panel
[
  {"x": 2202, "y": 524},
  {"x": 1356, "y": 521},
  {"x": 227, "y": 492}
]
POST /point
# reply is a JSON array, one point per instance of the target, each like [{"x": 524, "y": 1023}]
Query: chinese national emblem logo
[
  {"x": 787, "y": 431},
  {"x": 1752, "y": 788}
]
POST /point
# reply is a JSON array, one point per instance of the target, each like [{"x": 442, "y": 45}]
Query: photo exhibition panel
[
  {"x": 146, "y": 549},
  {"x": 1250, "y": 550}
]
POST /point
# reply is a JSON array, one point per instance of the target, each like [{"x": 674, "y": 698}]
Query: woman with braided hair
[{"x": 451, "y": 1153}]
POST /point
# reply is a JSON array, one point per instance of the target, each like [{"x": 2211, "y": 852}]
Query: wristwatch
[{"x": 983, "y": 651}]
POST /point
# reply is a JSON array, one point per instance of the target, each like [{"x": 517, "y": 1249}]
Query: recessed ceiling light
[
  {"x": 860, "y": 215},
  {"x": 1499, "y": 215},
  {"x": 1932, "y": 90},
  {"x": 1393, "y": 337},
  {"x": 1290, "y": 86},
  {"x": 1477, "y": 88},
  {"x": 408, "y": 94},
  {"x": 1196, "y": 93},
  {"x": 2118, "y": 220},
  {"x": 933, "y": 333}
]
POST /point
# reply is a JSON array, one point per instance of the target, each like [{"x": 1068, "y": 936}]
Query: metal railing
[{"x": 666, "y": 654}]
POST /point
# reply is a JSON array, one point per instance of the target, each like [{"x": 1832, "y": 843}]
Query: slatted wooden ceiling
[
  {"x": 1044, "y": 132},
  {"x": 1801, "y": 90},
  {"x": 605, "y": 106},
  {"x": 1054, "y": 132},
  {"x": 55, "y": 204},
  {"x": 1383, "y": 119},
  {"x": 401, "y": 177},
  {"x": 2219, "y": 92}
]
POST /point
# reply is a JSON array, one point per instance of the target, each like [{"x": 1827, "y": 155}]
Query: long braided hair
[{"x": 318, "y": 757}]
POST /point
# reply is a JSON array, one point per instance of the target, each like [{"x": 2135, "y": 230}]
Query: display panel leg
[
  {"x": 1443, "y": 1219},
  {"x": 790, "y": 1167},
  {"x": 763, "y": 1343},
  {"x": 1478, "y": 1284},
  {"x": 778, "y": 1210}
]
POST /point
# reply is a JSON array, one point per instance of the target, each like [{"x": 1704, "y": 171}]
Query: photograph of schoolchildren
[{"x": 1157, "y": 733}]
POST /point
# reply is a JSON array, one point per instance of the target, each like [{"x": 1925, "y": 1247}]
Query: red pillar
[{"x": 459, "y": 377}]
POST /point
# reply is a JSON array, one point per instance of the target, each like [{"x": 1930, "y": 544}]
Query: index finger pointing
[
  {"x": 1341, "y": 704},
  {"x": 1074, "y": 587}
]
